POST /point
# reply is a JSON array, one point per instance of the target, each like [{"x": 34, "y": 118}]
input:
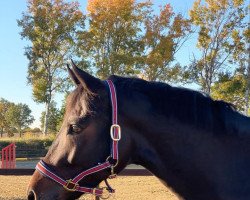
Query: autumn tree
[
  {"x": 111, "y": 43},
  {"x": 19, "y": 116},
  {"x": 165, "y": 34},
  {"x": 129, "y": 39},
  {"x": 50, "y": 26},
  {"x": 216, "y": 22}
]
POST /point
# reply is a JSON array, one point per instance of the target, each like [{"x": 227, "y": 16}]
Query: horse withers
[{"x": 198, "y": 147}]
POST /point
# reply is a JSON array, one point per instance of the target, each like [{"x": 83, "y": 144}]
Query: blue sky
[{"x": 13, "y": 63}]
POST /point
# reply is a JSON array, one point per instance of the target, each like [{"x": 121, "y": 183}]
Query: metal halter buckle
[
  {"x": 70, "y": 186},
  {"x": 112, "y": 128}
]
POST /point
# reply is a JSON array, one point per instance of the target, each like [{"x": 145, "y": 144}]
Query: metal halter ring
[
  {"x": 70, "y": 186},
  {"x": 112, "y": 164},
  {"x": 112, "y": 128}
]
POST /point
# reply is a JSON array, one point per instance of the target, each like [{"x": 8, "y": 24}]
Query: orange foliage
[{"x": 95, "y": 5}]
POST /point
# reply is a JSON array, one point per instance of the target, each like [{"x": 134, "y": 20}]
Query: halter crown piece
[{"x": 111, "y": 162}]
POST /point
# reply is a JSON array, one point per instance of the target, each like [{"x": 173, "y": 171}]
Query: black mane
[{"x": 188, "y": 106}]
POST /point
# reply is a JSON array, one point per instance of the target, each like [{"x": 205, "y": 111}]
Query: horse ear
[
  {"x": 73, "y": 76},
  {"x": 88, "y": 81}
]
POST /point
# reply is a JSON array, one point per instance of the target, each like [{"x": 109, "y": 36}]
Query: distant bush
[
  {"x": 28, "y": 129},
  {"x": 36, "y": 130}
]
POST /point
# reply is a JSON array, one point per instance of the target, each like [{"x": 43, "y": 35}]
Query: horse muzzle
[{"x": 41, "y": 188}]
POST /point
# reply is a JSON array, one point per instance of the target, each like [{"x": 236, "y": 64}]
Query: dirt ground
[{"x": 132, "y": 188}]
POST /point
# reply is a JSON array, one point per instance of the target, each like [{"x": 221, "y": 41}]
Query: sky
[{"x": 13, "y": 63}]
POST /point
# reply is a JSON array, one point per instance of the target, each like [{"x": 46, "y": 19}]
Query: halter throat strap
[{"x": 111, "y": 162}]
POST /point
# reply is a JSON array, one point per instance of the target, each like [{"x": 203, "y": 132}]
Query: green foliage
[
  {"x": 4, "y": 125},
  {"x": 14, "y": 117},
  {"x": 51, "y": 27},
  {"x": 217, "y": 22},
  {"x": 231, "y": 89},
  {"x": 241, "y": 57},
  {"x": 19, "y": 116}
]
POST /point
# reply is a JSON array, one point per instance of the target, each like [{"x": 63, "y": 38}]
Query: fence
[{"x": 8, "y": 157}]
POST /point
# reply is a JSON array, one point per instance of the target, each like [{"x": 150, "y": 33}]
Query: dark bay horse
[{"x": 198, "y": 147}]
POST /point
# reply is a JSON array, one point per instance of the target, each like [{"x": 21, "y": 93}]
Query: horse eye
[{"x": 75, "y": 128}]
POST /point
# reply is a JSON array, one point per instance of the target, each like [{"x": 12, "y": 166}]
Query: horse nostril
[{"x": 31, "y": 195}]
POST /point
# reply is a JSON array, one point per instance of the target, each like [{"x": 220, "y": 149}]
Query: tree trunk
[
  {"x": 47, "y": 105},
  {"x": 46, "y": 118}
]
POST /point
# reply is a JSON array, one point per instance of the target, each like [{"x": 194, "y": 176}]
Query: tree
[
  {"x": 165, "y": 34},
  {"x": 129, "y": 39},
  {"x": 231, "y": 88},
  {"x": 241, "y": 57},
  {"x": 4, "y": 125},
  {"x": 111, "y": 43},
  {"x": 19, "y": 117},
  {"x": 216, "y": 22},
  {"x": 50, "y": 26},
  {"x": 54, "y": 118}
]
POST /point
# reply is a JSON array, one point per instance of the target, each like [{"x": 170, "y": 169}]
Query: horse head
[{"x": 82, "y": 144}]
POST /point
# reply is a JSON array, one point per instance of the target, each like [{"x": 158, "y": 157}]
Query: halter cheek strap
[{"x": 111, "y": 162}]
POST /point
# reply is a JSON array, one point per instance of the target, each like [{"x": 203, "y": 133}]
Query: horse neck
[
  {"x": 147, "y": 132},
  {"x": 158, "y": 140}
]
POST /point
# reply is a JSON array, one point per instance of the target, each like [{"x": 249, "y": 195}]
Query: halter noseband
[{"x": 111, "y": 162}]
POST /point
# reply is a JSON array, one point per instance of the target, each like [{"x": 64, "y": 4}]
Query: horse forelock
[{"x": 77, "y": 102}]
